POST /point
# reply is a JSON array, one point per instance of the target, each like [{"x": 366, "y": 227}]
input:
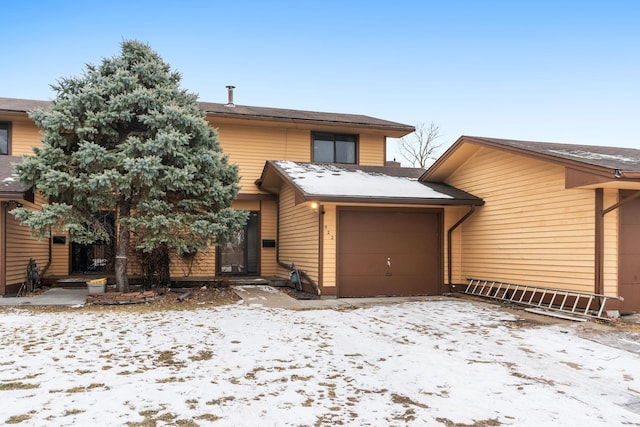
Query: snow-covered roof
[
  {"x": 333, "y": 182},
  {"x": 10, "y": 185}
]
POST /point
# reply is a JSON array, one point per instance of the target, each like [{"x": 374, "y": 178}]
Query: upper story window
[
  {"x": 4, "y": 138},
  {"x": 334, "y": 148}
]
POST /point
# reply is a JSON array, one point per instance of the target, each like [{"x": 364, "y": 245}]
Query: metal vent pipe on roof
[{"x": 230, "y": 92}]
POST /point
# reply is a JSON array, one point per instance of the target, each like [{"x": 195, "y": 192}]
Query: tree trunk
[
  {"x": 164, "y": 273},
  {"x": 122, "y": 248}
]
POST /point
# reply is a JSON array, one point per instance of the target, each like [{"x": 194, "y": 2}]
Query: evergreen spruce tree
[{"x": 125, "y": 137}]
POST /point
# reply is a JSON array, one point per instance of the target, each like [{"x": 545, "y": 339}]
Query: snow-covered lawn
[{"x": 433, "y": 363}]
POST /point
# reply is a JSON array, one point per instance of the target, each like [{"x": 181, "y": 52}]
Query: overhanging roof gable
[{"x": 608, "y": 162}]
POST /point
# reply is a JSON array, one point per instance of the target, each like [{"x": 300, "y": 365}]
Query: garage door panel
[
  {"x": 411, "y": 241},
  {"x": 373, "y": 285},
  {"x": 376, "y": 241},
  {"x": 364, "y": 264},
  {"x": 386, "y": 242}
]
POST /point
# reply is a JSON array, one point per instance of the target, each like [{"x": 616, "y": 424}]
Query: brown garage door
[
  {"x": 629, "y": 263},
  {"x": 388, "y": 252}
]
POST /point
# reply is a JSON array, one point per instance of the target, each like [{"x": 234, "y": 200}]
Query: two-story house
[{"x": 319, "y": 196}]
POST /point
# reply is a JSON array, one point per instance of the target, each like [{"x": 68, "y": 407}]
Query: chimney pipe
[{"x": 230, "y": 92}]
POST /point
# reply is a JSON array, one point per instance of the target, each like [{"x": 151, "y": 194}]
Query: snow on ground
[{"x": 433, "y": 363}]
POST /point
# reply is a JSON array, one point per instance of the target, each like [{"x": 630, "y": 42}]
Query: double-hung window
[
  {"x": 334, "y": 148},
  {"x": 4, "y": 138}
]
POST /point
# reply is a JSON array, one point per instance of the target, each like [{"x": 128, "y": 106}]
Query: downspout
[
  {"x": 283, "y": 264},
  {"x": 472, "y": 209}
]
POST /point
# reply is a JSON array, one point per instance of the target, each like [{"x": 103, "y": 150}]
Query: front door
[
  {"x": 96, "y": 257},
  {"x": 241, "y": 255}
]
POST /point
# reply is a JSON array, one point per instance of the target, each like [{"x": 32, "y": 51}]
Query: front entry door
[
  {"x": 241, "y": 255},
  {"x": 96, "y": 257}
]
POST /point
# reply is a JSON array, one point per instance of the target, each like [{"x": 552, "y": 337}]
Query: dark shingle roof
[
  {"x": 15, "y": 105},
  {"x": 282, "y": 114},
  {"x": 606, "y": 157},
  {"x": 255, "y": 113}
]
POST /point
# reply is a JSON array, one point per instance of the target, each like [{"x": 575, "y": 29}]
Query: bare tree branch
[{"x": 421, "y": 147}]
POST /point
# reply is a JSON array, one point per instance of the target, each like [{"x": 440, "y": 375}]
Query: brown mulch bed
[
  {"x": 202, "y": 294},
  {"x": 192, "y": 297}
]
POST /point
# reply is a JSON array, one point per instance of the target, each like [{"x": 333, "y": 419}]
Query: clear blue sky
[{"x": 558, "y": 71}]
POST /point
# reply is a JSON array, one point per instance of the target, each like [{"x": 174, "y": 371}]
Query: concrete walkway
[
  {"x": 268, "y": 296},
  {"x": 258, "y": 295},
  {"x": 52, "y": 297}
]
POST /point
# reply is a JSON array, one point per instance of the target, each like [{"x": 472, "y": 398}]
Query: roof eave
[
  {"x": 25, "y": 195},
  {"x": 306, "y": 197},
  {"x": 390, "y": 131}
]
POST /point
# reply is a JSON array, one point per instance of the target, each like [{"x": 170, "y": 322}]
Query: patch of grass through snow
[
  {"x": 17, "y": 385},
  {"x": 17, "y": 419}
]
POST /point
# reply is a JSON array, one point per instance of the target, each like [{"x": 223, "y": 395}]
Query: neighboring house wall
[
  {"x": 531, "y": 229},
  {"x": 298, "y": 235},
  {"x": 19, "y": 244},
  {"x": 20, "y": 247}
]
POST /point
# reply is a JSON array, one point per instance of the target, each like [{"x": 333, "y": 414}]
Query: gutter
[{"x": 472, "y": 209}]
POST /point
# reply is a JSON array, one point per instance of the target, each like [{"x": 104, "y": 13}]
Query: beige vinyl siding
[
  {"x": 202, "y": 265},
  {"x": 298, "y": 235},
  {"x": 20, "y": 247},
  {"x": 268, "y": 231},
  {"x": 329, "y": 250},
  {"x": 531, "y": 230},
  {"x": 60, "y": 253},
  {"x": 250, "y": 147},
  {"x": 372, "y": 150},
  {"x": 24, "y": 135}
]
